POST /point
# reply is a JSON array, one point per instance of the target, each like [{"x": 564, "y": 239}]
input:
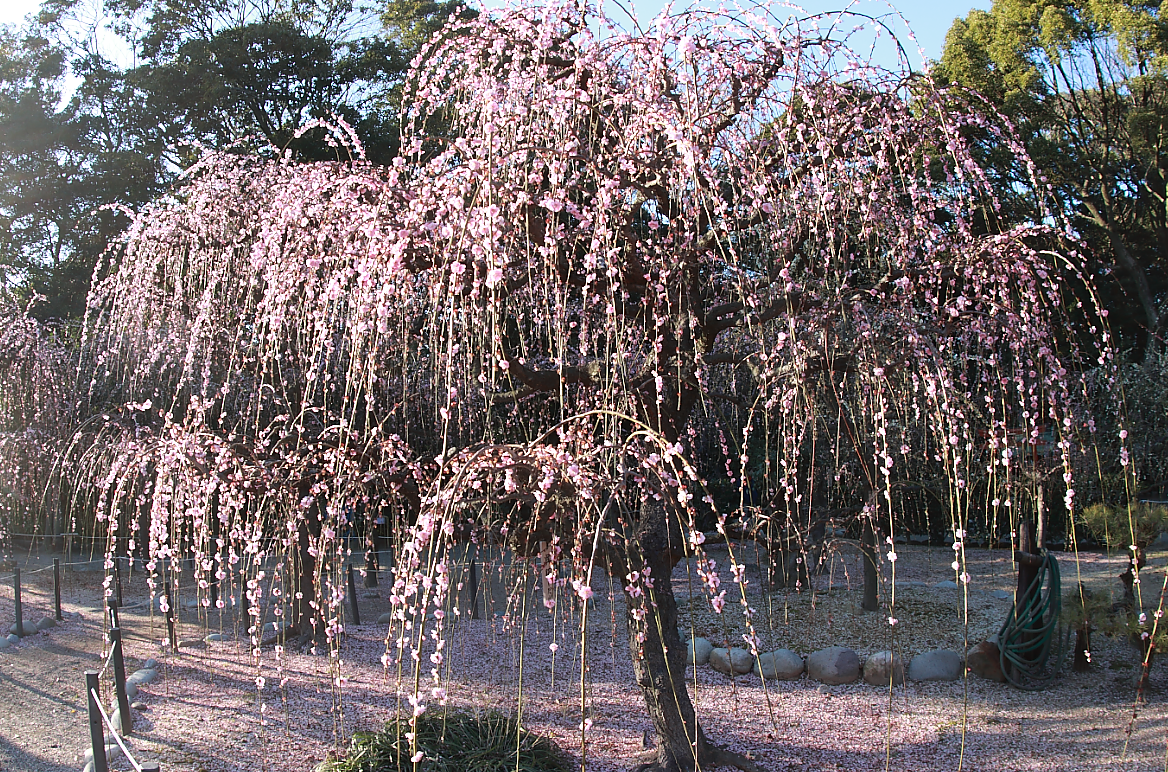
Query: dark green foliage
[
  {"x": 1086, "y": 85},
  {"x": 79, "y": 130},
  {"x": 454, "y": 741},
  {"x": 1118, "y": 526}
]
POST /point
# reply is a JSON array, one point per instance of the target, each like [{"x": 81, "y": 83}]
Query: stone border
[{"x": 834, "y": 665}]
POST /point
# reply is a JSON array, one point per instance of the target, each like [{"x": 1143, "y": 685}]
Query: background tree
[
  {"x": 212, "y": 74},
  {"x": 58, "y": 165},
  {"x": 1084, "y": 82}
]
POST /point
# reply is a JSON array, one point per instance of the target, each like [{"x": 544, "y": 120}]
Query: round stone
[
  {"x": 936, "y": 665},
  {"x": 143, "y": 676},
  {"x": 698, "y": 651},
  {"x": 834, "y": 665},
  {"x": 731, "y": 661},
  {"x": 882, "y": 669},
  {"x": 985, "y": 660},
  {"x": 781, "y": 664},
  {"x": 46, "y": 623}
]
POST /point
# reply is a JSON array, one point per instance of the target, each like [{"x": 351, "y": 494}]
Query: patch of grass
[{"x": 452, "y": 741}]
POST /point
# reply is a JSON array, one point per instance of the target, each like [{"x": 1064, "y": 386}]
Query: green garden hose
[{"x": 1027, "y": 634}]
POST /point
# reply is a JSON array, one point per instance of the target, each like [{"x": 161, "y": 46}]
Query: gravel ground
[{"x": 205, "y": 712}]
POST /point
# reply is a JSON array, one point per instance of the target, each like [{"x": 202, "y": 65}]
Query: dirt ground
[{"x": 205, "y": 712}]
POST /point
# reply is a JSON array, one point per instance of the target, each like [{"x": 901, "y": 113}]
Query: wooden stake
[
  {"x": 120, "y": 681},
  {"x": 19, "y": 607},
  {"x": 96, "y": 732},
  {"x": 112, "y": 605},
  {"x": 57, "y": 588}
]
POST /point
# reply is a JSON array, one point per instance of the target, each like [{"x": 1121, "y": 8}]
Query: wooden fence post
[
  {"x": 96, "y": 732},
  {"x": 118, "y": 579},
  {"x": 57, "y": 588},
  {"x": 19, "y": 608},
  {"x": 120, "y": 681}
]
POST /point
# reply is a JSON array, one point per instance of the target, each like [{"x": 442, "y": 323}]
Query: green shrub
[
  {"x": 453, "y": 741},
  {"x": 1113, "y": 526}
]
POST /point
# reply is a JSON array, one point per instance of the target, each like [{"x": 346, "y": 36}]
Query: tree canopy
[{"x": 606, "y": 266}]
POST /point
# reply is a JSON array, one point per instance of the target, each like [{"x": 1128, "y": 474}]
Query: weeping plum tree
[
  {"x": 520, "y": 329},
  {"x": 35, "y": 421}
]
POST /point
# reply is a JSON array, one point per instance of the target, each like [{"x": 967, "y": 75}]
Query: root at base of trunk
[
  {"x": 711, "y": 758},
  {"x": 292, "y": 640}
]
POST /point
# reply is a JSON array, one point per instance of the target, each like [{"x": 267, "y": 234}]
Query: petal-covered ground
[{"x": 206, "y": 712}]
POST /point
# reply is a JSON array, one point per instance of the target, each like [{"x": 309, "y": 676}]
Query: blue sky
[{"x": 930, "y": 19}]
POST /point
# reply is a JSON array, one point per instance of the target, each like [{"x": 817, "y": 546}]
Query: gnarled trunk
[{"x": 659, "y": 654}]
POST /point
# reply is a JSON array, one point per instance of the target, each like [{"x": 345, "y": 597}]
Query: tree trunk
[
  {"x": 372, "y": 547},
  {"x": 1147, "y": 649},
  {"x": 304, "y": 578},
  {"x": 1028, "y": 565},
  {"x": 788, "y": 568},
  {"x": 869, "y": 549},
  {"x": 657, "y": 651},
  {"x": 659, "y": 654},
  {"x": 1135, "y": 273},
  {"x": 1082, "y": 647}
]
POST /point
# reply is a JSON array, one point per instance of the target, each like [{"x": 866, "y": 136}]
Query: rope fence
[
  {"x": 42, "y": 569},
  {"x": 95, "y": 701}
]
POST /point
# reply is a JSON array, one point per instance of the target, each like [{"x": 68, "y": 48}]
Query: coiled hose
[{"x": 1028, "y": 633}]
